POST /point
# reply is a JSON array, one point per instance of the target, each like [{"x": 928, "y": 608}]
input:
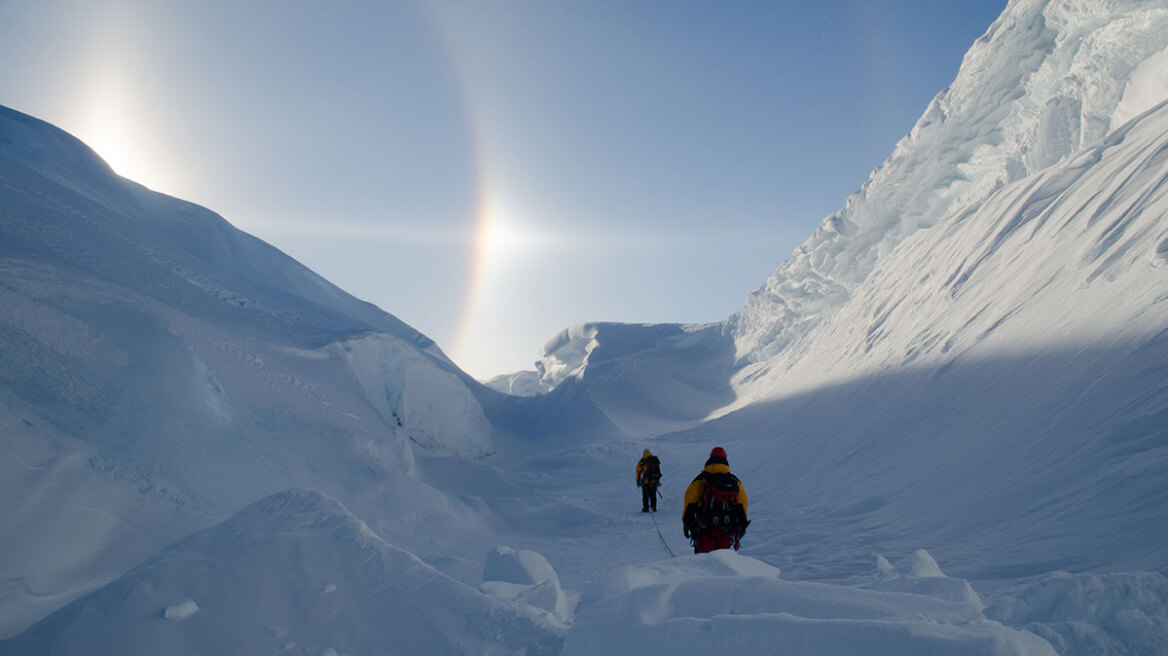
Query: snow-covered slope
[
  {"x": 994, "y": 391},
  {"x": 162, "y": 369},
  {"x": 1048, "y": 78}
]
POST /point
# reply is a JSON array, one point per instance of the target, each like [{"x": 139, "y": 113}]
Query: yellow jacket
[
  {"x": 643, "y": 466},
  {"x": 693, "y": 493}
]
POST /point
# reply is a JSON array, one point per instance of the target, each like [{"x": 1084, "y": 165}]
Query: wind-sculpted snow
[
  {"x": 647, "y": 378},
  {"x": 1070, "y": 256},
  {"x": 162, "y": 369},
  {"x": 292, "y": 573},
  {"x": 527, "y": 577},
  {"x": 727, "y": 603},
  {"x": 61, "y": 205},
  {"x": 1048, "y": 78},
  {"x": 1097, "y": 614}
]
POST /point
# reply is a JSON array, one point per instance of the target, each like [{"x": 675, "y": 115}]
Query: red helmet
[{"x": 718, "y": 452}]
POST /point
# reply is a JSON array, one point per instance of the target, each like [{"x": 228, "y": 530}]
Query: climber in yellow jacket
[
  {"x": 648, "y": 478},
  {"x": 715, "y": 507}
]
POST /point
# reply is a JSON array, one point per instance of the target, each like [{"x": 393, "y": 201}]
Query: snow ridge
[{"x": 1047, "y": 78}]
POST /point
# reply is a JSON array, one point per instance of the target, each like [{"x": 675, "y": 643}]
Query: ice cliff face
[{"x": 1047, "y": 78}]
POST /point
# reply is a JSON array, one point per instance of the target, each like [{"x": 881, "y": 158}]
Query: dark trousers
[{"x": 648, "y": 497}]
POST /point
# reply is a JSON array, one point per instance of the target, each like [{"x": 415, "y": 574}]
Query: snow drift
[
  {"x": 742, "y": 606},
  {"x": 291, "y": 573}
]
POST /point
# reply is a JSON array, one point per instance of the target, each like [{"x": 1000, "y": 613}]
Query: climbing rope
[{"x": 653, "y": 516}]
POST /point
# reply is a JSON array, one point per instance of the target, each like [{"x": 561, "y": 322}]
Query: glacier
[{"x": 208, "y": 448}]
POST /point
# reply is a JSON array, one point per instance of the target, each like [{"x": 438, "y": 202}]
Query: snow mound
[
  {"x": 728, "y": 603},
  {"x": 181, "y": 611},
  {"x": 526, "y": 577},
  {"x": 1096, "y": 614},
  {"x": 647, "y": 378},
  {"x": 520, "y": 567},
  {"x": 520, "y": 383},
  {"x": 920, "y": 574},
  {"x": 294, "y": 571}
]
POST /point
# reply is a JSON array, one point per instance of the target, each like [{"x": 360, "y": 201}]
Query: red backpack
[{"x": 719, "y": 509}]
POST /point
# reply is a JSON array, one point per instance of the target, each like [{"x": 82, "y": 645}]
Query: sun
[
  {"x": 503, "y": 238},
  {"x": 118, "y": 151},
  {"x": 111, "y": 131},
  {"x": 111, "y": 117}
]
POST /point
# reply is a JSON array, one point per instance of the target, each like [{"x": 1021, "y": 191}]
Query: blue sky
[{"x": 492, "y": 172}]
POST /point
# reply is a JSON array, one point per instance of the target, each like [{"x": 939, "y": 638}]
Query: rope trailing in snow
[{"x": 653, "y": 516}]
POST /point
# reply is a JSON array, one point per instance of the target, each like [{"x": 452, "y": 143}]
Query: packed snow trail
[{"x": 589, "y": 526}]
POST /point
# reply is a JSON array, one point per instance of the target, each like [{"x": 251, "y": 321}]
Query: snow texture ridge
[
  {"x": 742, "y": 606},
  {"x": 163, "y": 369},
  {"x": 1048, "y": 78},
  {"x": 526, "y": 577},
  {"x": 1071, "y": 255},
  {"x": 646, "y": 378},
  {"x": 1101, "y": 614},
  {"x": 291, "y": 573}
]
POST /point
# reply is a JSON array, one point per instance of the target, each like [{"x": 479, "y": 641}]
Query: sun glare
[
  {"x": 111, "y": 132},
  {"x": 502, "y": 238},
  {"x": 111, "y": 119}
]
